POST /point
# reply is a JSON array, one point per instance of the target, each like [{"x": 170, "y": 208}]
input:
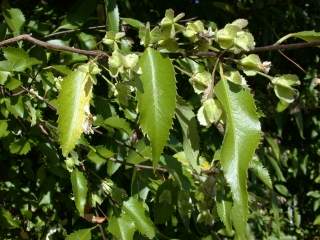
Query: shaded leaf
[
  {"x": 241, "y": 139},
  {"x": 80, "y": 189},
  {"x": 157, "y": 100},
  {"x": 7, "y": 220},
  {"x": 188, "y": 123}
]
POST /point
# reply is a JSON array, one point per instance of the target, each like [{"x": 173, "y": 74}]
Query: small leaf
[
  {"x": 136, "y": 211},
  {"x": 15, "y": 20},
  {"x": 79, "y": 187},
  {"x": 74, "y": 105},
  {"x": 210, "y": 112},
  {"x": 242, "y": 136},
  {"x": 82, "y": 234},
  {"x": 157, "y": 99},
  {"x": 261, "y": 172},
  {"x": 3, "y": 128}
]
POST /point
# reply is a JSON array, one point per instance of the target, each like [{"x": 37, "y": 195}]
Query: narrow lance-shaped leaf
[
  {"x": 74, "y": 105},
  {"x": 112, "y": 16},
  {"x": 188, "y": 123},
  {"x": 79, "y": 187},
  {"x": 241, "y": 139},
  {"x": 307, "y": 36},
  {"x": 157, "y": 99}
]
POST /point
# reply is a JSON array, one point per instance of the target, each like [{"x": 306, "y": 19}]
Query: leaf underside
[
  {"x": 157, "y": 99},
  {"x": 242, "y": 136}
]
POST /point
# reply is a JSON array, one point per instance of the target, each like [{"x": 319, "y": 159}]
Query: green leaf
[
  {"x": 157, "y": 100},
  {"x": 21, "y": 146},
  {"x": 17, "y": 60},
  {"x": 317, "y": 220},
  {"x": 7, "y": 220},
  {"x": 191, "y": 140},
  {"x": 113, "y": 19},
  {"x": 241, "y": 139},
  {"x": 304, "y": 35},
  {"x": 136, "y": 211},
  {"x": 74, "y": 106},
  {"x": 118, "y": 123},
  {"x": 79, "y": 187},
  {"x": 210, "y": 112},
  {"x": 82, "y": 234},
  {"x": 261, "y": 172},
  {"x": 133, "y": 22},
  {"x": 15, "y": 20},
  {"x": 3, "y": 128},
  {"x": 224, "y": 208},
  {"x": 100, "y": 156},
  {"x": 122, "y": 227}
]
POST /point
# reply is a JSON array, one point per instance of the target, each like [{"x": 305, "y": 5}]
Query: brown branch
[
  {"x": 289, "y": 46},
  {"x": 101, "y": 54},
  {"x": 29, "y": 38}
]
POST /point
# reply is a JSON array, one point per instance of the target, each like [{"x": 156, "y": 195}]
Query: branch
[
  {"x": 267, "y": 48},
  {"x": 102, "y": 54},
  {"x": 27, "y": 37},
  {"x": 285, "y": 47}
]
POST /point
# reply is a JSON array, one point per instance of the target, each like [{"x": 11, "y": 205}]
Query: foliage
[{"x": 179, "y": 130}]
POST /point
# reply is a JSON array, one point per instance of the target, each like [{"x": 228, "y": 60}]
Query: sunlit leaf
[
  {"x": 157, "y": 99},
  {"x": 242, "y": 136},
  {"x": 15, "y": 19},
  {"x": 74, "y": 106},
  {"x": 122, "y": 227},
  {"x": 304, "y": 35}
]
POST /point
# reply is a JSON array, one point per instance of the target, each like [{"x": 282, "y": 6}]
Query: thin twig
[
  {"x": 38, "y": 97},
  {"x": 293, "y": 62},
  {"x": 55, "y": 47},
  {"x": 55, "y": 34},
  {"x": 140, "y": 166},
  {"x": 208, "y": 93}
]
